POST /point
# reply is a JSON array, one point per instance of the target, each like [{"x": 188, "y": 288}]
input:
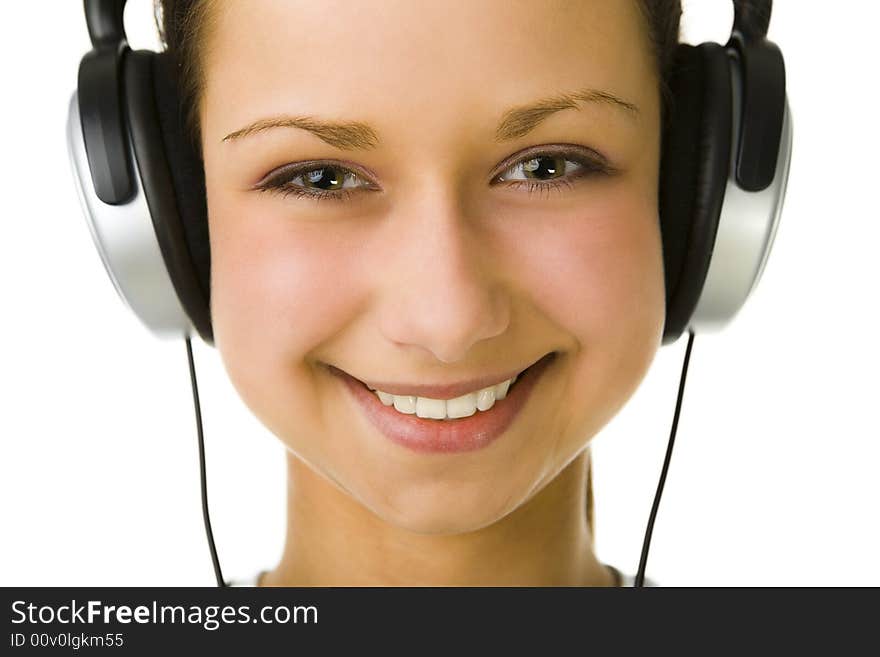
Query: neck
[{"x": 332, "y": 540}]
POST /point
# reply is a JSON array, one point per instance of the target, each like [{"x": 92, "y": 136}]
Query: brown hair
[
  {"x": 184, "y": 25},
  {"x": 183, "y": 29}
]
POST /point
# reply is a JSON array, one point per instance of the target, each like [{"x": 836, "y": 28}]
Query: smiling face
[{"x": 464, "y": 231}]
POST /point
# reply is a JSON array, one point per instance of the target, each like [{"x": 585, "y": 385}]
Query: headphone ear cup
[
  {"x": 173, "y": 180},
  {"x": 694, "y": 169}
]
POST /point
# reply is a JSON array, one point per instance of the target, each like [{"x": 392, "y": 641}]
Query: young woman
[{"x": 436, "y": 266}]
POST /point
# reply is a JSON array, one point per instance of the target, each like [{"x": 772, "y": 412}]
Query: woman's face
[{"x": 439, "y": 264}]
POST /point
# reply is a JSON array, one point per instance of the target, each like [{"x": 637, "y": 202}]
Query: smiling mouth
[
  {"x": 449, "y": 403},
  {"x": 462, "y": 424}
]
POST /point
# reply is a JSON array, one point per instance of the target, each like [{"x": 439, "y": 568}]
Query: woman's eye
[
  {"x": 323, "y": 181},
  {"x": 551, "y": 171}
]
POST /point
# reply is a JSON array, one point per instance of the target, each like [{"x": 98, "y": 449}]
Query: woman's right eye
[{"x": 324, "y": 181}]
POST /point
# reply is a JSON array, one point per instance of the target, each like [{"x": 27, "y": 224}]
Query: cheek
[
  {"x": 275, "y": 281},
  {"x": 598, "y": 271},
  {"x": 599, "y": 276},
  {"x": 277, "y": 288}
]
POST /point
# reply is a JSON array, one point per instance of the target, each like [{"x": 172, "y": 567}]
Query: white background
[{"x": 774, "y": 479}]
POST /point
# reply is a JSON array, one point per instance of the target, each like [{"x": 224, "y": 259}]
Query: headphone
[
  {"x": 726, "y": 152},
  {"x": 723, "y": 172}
]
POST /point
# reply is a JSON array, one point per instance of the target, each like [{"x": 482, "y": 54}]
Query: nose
[{"x": 443, "y": 293}]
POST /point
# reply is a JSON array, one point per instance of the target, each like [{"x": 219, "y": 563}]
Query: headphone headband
[
  {"x": 104, "y": 20},
  {"x": 103, "y": 122},
  {"x": 763, "y": 100},
  {"x": 751, "y": 18}
]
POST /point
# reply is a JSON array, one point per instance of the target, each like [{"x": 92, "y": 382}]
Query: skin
[{"x": 436, "y": 274}]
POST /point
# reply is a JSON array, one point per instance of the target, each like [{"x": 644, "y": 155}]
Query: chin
[{"x": 442, "y": 515}]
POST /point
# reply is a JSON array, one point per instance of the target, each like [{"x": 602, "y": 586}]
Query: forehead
[{"x": 400, "y": 64}]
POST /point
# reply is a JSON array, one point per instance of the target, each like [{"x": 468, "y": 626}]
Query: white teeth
[
  {"x": 501, "y": 389},
  {"x": 440, "y": 409},
  {"x": 486, "y": 398},
  {"x": 432, "y": 408},
  {"x": 463, "y": 406},
  {"x": 405, "y": 403}
]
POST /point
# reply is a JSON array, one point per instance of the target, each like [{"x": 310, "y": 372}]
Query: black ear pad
[
  {"x": 173, "y": 180},
  {"x": 694, "y": 168}
]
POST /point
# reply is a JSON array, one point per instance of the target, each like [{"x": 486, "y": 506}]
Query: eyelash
[{"x": 281, "y": 183}]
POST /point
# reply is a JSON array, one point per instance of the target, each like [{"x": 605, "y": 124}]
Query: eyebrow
[
  {"x": 515, "y": 122},
  {"x": 350, "y": 135},
  {"x": 521, "y": 120}
]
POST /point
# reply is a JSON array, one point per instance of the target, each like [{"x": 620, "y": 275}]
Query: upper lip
[{"x": 443, "y": 390}]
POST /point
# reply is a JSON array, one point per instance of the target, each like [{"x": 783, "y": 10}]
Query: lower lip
[{"x": 444, "y": 436}]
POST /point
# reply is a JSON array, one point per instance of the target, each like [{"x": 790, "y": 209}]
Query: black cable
[
  {"x": 640, "y": 576},
  {"x": 195, "y": 388}
]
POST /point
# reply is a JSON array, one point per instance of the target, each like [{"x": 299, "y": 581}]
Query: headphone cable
[
  {"x": 640, "y": 576},
  {"x": 195, "y": 388}
]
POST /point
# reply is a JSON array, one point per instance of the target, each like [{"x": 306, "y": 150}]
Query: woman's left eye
[{"x": 548, "y": 171}]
